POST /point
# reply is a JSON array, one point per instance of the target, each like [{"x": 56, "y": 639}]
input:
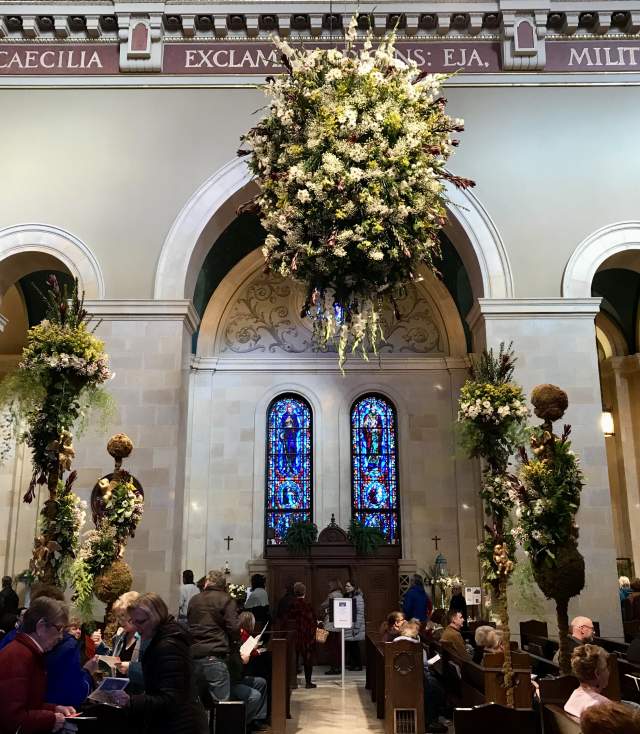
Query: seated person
[
  {"x": 589, "y": 665},
  {"x": 610, "y": 718},
  {"x": 259, "y": 661},
  {"x": 488, "y": 641},
  {"x": 581, "y": 632},
  {"x": 451, "y": 637},
  {"x": 434, "y": 695},
  {"x": 390, "y": 628},
  {"x": 23, "y": 677}
]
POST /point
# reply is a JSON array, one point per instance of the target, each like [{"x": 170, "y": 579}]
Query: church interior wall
[
  {"x": 551, "y": 165},
  {"x": 226, "y": 486}
]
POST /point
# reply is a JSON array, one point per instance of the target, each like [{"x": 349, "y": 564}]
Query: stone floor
[{"x": 329, "y": 708}]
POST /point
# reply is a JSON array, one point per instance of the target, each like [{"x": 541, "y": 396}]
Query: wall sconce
[{"x": 606, "y": 423}]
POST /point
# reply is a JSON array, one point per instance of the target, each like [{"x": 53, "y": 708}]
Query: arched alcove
[
  {"x": 606, "y": 264},
  {"x": 213, "y": 207},
  {"x": 25, "y": 248}
]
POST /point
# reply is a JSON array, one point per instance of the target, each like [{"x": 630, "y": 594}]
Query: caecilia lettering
[
  {"x": 230, "y": 59},
  {"x": 49, "y": 59},
  {"x": 608, "y": 56}
]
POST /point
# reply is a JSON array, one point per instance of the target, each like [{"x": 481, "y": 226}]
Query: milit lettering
[{"x": 625, "y": 56}]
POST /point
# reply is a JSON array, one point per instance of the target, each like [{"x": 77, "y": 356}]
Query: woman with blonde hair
[
  {"x": 126, "y": 641},
  {"x": 169, "y": 704},
  {"x": 489, "y": 639},
  {"x": 589, "y": 664}
]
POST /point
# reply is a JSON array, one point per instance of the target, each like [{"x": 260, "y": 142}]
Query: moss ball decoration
[
  {"x": 120, "y": 446},
  {"x": 564, "y": 580},
  {"x": 113, "y": 582},
  {"x": 549, "y": 402}
]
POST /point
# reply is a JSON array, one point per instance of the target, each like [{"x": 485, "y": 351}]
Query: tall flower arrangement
[
  {"x": 491, "y": 414},
  {"x": 58, "y": 379},
  {"x": 548, "y": 500},
  {"x": 117, "y": 502},
  {"x": 350, "y": 159}
]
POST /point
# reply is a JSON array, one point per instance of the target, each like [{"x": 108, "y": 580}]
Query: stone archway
[
  {"x": 213, "y": 207},
  {"x": 28, "y": 247},
  {"x": 593, "y": 251}
]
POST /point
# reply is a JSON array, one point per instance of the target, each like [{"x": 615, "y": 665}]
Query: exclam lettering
[
  {"x": 18, "y": 60},
  {"x": 226, "y": 58}
]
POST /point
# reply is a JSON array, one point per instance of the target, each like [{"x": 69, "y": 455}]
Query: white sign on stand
[
  {"x": 342, "y": 620},
  {"x": 473, "y": 595},
  {"x": 343, "y": 614}
]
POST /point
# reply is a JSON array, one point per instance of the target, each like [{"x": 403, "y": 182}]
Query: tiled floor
[{"x": 329, "y": 708}]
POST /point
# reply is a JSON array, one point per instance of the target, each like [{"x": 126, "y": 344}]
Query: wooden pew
[
  {"x": 280, "y": 688},
  {"x": 395, "y": 679},
  {"x": 491, "y": 717},
  {"x": 403, "y": 687},
  {"x": 482, "y": 683},
  {"x": 284, "y": 677}
]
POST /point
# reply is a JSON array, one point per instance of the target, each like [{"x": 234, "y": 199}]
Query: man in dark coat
[
  {"x": 215, "y": 627},
  {"x": 8, "y": 598}
]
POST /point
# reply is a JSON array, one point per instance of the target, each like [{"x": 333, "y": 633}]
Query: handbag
[{"x": 321, "y": 635}]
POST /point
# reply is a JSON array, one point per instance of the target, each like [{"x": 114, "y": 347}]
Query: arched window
[
  {"x": 289, "y": 492},
  {"x": 374, "y": 465}
]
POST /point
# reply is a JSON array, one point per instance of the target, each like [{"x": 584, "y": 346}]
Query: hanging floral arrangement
[
  {"x": 492, "y": 414},
  {"x": 350, "y": 159}
]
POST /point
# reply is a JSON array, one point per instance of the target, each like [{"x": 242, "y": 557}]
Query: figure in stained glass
[
  {"x": 374, "y": 465},
  {"x": 288, "y": 491},
  {"x": 289, "y": 436}
]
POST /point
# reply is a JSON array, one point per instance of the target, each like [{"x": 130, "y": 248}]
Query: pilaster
[{"x": 554, "y": 340}]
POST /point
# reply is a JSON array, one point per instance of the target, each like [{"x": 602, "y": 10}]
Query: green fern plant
[
  {"x": 300, "y": 536},
  {"x": 365, "y": 538}
]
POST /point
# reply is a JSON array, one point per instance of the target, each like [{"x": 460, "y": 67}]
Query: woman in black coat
[{"x": 169, "y": 704}]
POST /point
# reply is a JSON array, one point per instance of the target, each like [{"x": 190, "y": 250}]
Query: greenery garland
[
  {"x": 350, "y": 159},
  {"x": 57, "y": 381},
  {"x": 58, "y": 542},
  {"x": 491, "y": 415},
  {"x": 120, "y": 510},
  {"x": 548, "y": 500}
]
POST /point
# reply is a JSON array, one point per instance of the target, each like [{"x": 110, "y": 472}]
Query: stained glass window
[
  {"x": 374, "y": 465},
  {"x": 289, "y": 470}
]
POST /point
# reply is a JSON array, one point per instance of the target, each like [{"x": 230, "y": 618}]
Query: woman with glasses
[
  {"x": 169, "y": 704},
  {"x": 23, "y": 673}
]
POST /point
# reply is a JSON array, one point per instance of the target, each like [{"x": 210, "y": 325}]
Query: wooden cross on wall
[
  {"x": 228, "y": 541},
  {"x": 436, "y": 539}
]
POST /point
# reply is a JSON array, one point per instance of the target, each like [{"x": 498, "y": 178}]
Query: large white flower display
[{"x": 350, "y": 159}]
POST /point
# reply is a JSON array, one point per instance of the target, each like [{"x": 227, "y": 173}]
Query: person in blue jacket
[
  {"x": 417, "y": 604},
  {"x": 68, "y": 682}
]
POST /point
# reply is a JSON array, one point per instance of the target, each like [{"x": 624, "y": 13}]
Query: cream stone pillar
[
  {"x": 149, "y": 345},
  {"x": 623, "y": 375},
  {"x": 554, "y": 340}
]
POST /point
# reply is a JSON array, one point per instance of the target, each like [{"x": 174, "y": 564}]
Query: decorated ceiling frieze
[{"x": 233, "y": 39}]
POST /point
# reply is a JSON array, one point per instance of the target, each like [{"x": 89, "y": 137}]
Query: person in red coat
[
  {"x": 303, "y": 620},
  {"x": 23, "y": 673}
]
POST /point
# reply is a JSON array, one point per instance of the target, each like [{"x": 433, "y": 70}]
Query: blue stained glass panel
[
  {"x": 289, "y": 452},
  {"x": 374, "y": 472}
]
